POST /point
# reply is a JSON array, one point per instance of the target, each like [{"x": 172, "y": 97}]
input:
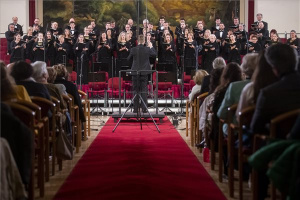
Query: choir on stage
[{"x": 186, "y": 50}]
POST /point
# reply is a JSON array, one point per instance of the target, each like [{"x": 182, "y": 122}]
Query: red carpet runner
[{"x": 134, "y": 164}]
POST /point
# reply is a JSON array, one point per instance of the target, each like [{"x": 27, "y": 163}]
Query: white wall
[
  {"x": 282, "y": 15},
  {"x": 10, "y": 8}
]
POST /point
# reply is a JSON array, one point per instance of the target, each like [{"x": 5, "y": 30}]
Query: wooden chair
[
  {"x": 232, "y": 128},
  {"x": 220, "y": 148},
  {"x": 40, "y": 130},
  {"x": 245, "y": 117},
  {"x": 193, "y": 116},
  {"x": 198, "y": 133},
  {"x": 87, "y": 109},
  {"x": 187, "y": 106},
  {"x": 59, "y": 127},
  {"x": 47, "y": 106},
  {"x": 27, "y": 116},
  {"x": 280, "y": 126},
  {"x": 75, "y": 120},
  {"x": 212, "y": 145}
]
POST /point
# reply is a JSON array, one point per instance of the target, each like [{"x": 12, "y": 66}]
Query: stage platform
[{"x": 129, "y": 115}]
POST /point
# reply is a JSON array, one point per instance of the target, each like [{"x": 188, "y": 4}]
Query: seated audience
[
  {"x": 277, "y": 98},
  {"x": 233, "y": 93},
  {"x": 22, "y": 73},
  {"x": 204, "y": 119},
  {"x": 259, "y": 81},
  {"x": 61, "y": 78},
  {"x": 231, "y": 73},
  {"x": 218, "y": 63},
  {"x": 17, "y": 92},
  {"x": 52, "y": 76},
  {"x": 283, "y": 95},
  {"x": 19, "y": 136},
  {"x": 40, "y": 75},
  {"x": 198, "y": 78}
]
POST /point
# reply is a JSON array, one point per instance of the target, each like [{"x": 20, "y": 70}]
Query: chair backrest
[
  {"x": 113, "y": 83},
  {"x": 32, "y": 106},
  {"x": 26, "y": 115},
  {"x": 56, "y": 102},
  {"x": 231, "y": 112},
  {"x": 282, "y": 124},
  {"x": 245, "y": 116},
  {"x": 45, "y": 105},
  {"x": 200, "y": 99}
]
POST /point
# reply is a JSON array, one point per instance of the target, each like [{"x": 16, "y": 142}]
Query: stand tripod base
[{"x": 129, "y": 115}]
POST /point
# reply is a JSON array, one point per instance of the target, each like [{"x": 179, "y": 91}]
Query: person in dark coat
[
  {"x": 22, "y": 73},
  {"x": 70, "y": 88},
  {"x": 141, "y": 55}
]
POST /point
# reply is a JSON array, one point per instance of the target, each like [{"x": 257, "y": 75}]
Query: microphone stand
[
  {"x": 182, "y": 81},
  {"x": 80, "y": 75},
  {"x": 44, "y": 44},
  {"x": 247, "y": 42}
]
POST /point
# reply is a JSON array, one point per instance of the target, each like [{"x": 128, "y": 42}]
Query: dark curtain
[
  {"x": 250, "y": 13},
  {"x": 31, "y": 11}
]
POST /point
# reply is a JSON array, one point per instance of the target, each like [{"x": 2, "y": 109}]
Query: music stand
[
  {"x": 98, "y": 77},
  {"x": 137, "y": 95},
  {"x": 125, "y": 75}
]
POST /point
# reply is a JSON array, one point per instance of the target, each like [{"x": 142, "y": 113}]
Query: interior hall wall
[
  {"x": 10, "y": 8},
  {"x": 282, "y": 15}
]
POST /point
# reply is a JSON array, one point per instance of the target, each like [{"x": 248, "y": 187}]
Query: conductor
[{"x": 141, "y": 55}]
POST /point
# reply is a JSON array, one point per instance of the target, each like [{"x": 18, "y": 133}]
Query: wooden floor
[{"x": 97, "y": 123}]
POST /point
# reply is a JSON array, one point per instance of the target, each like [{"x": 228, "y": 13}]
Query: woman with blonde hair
[{"x": 198, "y": 79}]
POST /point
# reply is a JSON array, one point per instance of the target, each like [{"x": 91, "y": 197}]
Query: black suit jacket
[
  {"x": 278, "y": 98},
  {"x": 265, "y": 24},
  {"x": 35, "y": 89},
  {"x": 225, "y": 33},
  {"x": 141, "y": 55}
]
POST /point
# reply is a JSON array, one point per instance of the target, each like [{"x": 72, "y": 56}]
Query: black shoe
[
  {"x": 201, "y": 144},
  {"x": 134, "y": 111},
  {"x": 145, "y": 111}
]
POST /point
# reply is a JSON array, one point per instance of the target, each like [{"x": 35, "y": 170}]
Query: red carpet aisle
[{"x": 134, "y": 164}]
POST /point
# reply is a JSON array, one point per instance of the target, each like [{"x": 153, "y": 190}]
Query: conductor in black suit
[{"x": 141, "y": 55}]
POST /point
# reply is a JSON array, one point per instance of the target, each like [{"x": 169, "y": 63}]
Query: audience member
[
  {"x": 231, "y": 73},
  {"x": 233, "y": 93},
  {"x": 40, "y": 74},
  {"x": 22, "y": 73},
  {"x": 198, "y": 78},
  {"x": 277, "y": 98},
  {"x": 259, "y": 81},
  {"x": 70, "y": 87},
  {"x": 219, "y": 62},
  {"x": 19, "y": 137},
  {"x": 9, "y": 89},
  {"x": 51, "y": 79},
  {"x": 282, "y": 96}
]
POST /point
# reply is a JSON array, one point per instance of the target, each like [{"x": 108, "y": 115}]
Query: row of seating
[
  {"x": 35, "y": 115},
  {"x": 280, "y": 126}
]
